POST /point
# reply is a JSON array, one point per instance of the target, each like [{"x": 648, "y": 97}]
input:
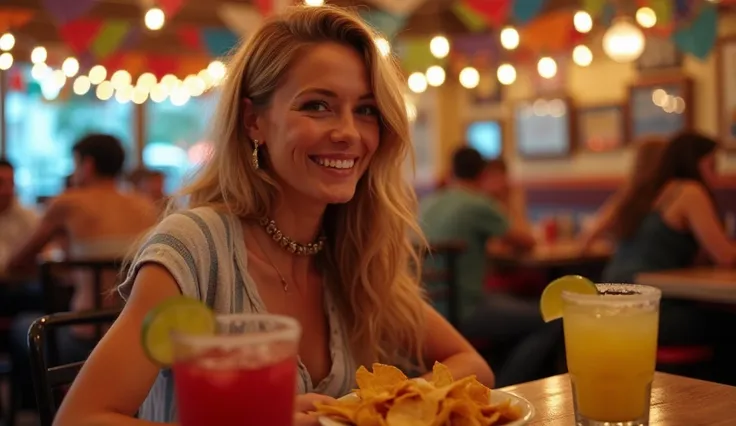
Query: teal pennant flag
[
  {"x": 387, "y": 23},
  {"x": 699, "y": 37},
  {"x": 524, "y": 11}
]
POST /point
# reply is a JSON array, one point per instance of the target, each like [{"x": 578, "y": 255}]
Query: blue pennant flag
[
  {"x": 525, "y": 10},
  {"x": 219, "y": 41},
  {"x": 387, "y": 23}
]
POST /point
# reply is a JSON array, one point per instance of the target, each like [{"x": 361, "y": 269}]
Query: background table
[{"x": 705, "y": 284}]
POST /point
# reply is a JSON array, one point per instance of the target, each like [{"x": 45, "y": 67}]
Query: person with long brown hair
[
  {"x": 662, "y": 221},
  {"x": 646, "y": 160},
  {"x": 303, "y": 210}
]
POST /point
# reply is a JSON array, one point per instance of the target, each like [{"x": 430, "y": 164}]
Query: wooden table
[
  {"x": 706, "y": 284},
  {"x": 676, "y": 401},
  {"x": 562, "y": 253}
]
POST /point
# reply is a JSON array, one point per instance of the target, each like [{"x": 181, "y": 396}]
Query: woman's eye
[
  {"x": 368, "y": 110},
  {"x": 317, "y": 106}
]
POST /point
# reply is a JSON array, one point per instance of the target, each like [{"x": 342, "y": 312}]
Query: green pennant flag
[
  {"x": 594, "y": 7},
  {"x": 415, "y": 55},
  {"x": 109, "y": 38},
  {"x": 663, "y": 10},
  {"x": 470, "y": 19}
]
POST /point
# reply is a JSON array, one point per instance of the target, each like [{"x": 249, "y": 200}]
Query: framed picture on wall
[
  {"x": 659, "y": 107},
  {"x": 601, "y": 128},
  {"x": 488, "y": 91},
  {"x": 726, "y": 93},
  {"x": 487, "y": 137},
  {"x": 544, "y": 127},
  {"x": 659, "y": 54}
]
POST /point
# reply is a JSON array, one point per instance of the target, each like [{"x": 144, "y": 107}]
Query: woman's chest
[{"x": 308, "y": 306}]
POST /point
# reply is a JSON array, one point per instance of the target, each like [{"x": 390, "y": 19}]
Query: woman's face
[
  {"x": 708, "y": 169},
  {"x": 322, "y": 126}
]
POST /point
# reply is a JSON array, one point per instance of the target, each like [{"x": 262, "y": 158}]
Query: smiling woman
[{"x": 303, "y": 210}]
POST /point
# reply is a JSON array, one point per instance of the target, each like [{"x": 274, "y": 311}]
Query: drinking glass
[
  {"x": 245, "y": 374},
  {"x": 611, "y": 345}
]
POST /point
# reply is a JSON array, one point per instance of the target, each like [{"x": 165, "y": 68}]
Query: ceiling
[{"x": 433, "y": 17}]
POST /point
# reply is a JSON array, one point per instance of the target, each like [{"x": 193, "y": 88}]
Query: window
[
  {"x": 176, "y": 137},
  {"x": 486, "y": 137},
  {"x": 41, "y": 133}
]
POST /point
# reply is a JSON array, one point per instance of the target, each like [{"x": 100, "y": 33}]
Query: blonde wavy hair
[{"x": 370, "y": 262}]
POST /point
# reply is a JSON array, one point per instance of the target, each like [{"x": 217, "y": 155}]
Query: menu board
[{"x": 543, "y": 128}]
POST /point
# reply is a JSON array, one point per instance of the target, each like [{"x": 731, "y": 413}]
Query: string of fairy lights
[{"x": 623, "y": 41}]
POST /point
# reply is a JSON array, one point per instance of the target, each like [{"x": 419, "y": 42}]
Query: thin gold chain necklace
[{"x": 284, "y": 283}]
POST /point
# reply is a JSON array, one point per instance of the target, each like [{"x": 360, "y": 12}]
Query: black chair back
[
  {"x": 439, "y": 276},
  {"x": 50, "y": 379},
  {"x": 56, "y": 297}
]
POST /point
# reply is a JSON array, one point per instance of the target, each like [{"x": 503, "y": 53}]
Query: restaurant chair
[
  {"x": 55, "y": 296},
  {"x": 51, "y": 380},
  {"x": 55, "y": 299},
  {"x": 439, "y": 276},
  {"x": 694, "y": 361}
]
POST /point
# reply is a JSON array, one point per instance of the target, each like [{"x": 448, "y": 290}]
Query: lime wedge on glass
[
  {"x": 179, "y": 314},
  {"x": 551, "y": 302}
]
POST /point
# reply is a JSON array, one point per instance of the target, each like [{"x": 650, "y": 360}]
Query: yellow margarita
[{"x": 611, "y": 344}]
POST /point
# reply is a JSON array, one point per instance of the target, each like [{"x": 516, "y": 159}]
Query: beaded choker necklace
[{"x": 290, "y": 245}]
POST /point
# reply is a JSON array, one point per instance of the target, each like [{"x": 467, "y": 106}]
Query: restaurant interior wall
[{"x": 603, "y": 82}]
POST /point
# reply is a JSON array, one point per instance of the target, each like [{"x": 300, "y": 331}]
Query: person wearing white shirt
[{"x": 16, "y": 221}]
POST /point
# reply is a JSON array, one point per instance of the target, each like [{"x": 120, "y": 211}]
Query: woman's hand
[{"x": 303, "y": 407}]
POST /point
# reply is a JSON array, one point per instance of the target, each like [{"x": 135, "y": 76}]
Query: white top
[{"x": 16, "y": 225}]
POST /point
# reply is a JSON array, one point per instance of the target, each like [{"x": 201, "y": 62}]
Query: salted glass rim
[
  {"x": 290, "y": 330},
  {"x": 644, "y": 295}
]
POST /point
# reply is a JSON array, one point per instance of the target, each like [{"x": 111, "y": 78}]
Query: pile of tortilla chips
[{"x": 388, "y": 398}]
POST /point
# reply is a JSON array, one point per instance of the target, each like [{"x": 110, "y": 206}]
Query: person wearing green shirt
[{"x": 463, "y": 211}]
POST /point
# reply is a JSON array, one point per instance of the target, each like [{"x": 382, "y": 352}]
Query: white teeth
[{"x": 335, "y": 164}]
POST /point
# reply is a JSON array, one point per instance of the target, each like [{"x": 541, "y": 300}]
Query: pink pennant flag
[
  {"x": 80, "y": 34},
  {"x": 191, "y": 38},
  {"x": 494, "y": 12}
]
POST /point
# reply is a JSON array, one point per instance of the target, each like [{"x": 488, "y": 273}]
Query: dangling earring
[{"x": 254, "y": 157}]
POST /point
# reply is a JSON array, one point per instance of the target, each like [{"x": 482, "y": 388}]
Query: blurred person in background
[
  {"x": 646, "y": 161},
  {"x": 463, "y": 211},
  {"x": 150, "y": 183},
  {"x": 511, "y": 199},
  {"x": 16, "y": 221},
  {"x": 99, "y": 222},
  {"x": 662, "y": 222}
]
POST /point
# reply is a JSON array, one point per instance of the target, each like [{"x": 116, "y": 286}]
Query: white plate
[{"x": 497, "y": 397}]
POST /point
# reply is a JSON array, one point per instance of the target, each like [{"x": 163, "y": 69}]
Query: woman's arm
[
  {"x": 444, "y": 344},
  {"x": 118, "y": 376},
  {"x": 702, "y": 218},
  {"x": 48, "y": 227},
  {"x": 604, "y": 220}
]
